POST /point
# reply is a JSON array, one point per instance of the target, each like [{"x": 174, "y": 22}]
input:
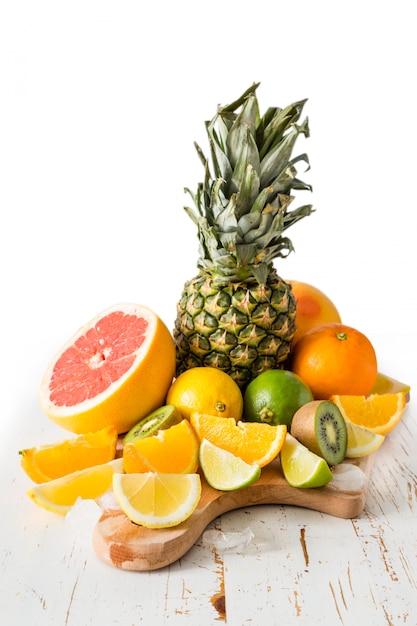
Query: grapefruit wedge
[{"x": 115, "y": 370}]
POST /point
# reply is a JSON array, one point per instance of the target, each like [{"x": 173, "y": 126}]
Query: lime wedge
[
  {"x": 301, "y": 467},
  {"x": 361, "y": 441},
  {"x": 225, "y": 471}
]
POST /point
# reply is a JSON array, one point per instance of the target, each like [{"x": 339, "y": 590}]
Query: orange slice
[
  {"x": 251, "y": 441},
  {"x": 172, "y": 451},
  {"x": 50, "y": 461},
  {"x": 377, "y": 412}
]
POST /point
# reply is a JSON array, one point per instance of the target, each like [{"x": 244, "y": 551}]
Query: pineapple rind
[{"x": 253, "y": 334}]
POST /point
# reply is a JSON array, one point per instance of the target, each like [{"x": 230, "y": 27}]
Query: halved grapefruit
[{"x": 115, "y": 370}]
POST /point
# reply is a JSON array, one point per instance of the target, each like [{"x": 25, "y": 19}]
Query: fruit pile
[
  {"x": 152, "y": 446},
  {"x": 258, "y": 369}
]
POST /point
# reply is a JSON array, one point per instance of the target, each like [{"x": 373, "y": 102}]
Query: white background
[{"x": 100, "y": 105}]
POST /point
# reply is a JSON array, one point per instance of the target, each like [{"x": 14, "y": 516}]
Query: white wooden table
[{"x": 301, "y": 567}]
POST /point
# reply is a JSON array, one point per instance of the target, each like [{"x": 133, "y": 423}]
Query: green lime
[
  {"x": 301, "y": 467},
  {"x": 274, "y": 396},
  {"x": 224, "y": 470}
]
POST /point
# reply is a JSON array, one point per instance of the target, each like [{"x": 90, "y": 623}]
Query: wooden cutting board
[{"x": 125, "y": 545}]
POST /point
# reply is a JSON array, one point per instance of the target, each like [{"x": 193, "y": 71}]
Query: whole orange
[
  {"x": 334, "y": 358},
  {"x": 313, "y": 308}
]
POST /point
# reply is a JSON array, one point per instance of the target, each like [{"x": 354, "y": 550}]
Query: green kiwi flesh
[
  {"x": 160, "y": 419},
  {"x": 320, "y": 426}
]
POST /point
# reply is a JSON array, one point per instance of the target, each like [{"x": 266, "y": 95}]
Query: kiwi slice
[
  {"x": 320, "y": 426},
  {"x": 160, "y": 419}
]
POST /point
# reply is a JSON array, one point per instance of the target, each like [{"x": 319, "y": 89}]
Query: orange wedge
[
  {"x": 377, "y": 412},
  {"x": 253, "y": 442},
  {"x": 171, "y": 451},
  {"x": 50, "y": 461}
]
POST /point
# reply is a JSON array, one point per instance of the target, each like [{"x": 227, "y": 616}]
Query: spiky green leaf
[{"x": 243, "y": 203}]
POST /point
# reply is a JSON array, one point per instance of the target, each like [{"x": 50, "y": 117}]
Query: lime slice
[
  {"x": 225, "y": 471},
  {"x": 301, "y": 467},
  {"x": 361, "y": 441}
]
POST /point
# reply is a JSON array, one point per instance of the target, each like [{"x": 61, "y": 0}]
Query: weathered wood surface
[{"x": 301, "y": 567}]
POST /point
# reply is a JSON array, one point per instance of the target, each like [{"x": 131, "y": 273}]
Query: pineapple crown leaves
[{"x": 242, "y": 206}]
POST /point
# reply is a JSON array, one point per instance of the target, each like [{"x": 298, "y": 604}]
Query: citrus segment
[
  {"x": 386, "y": 384},
  {"x": 207, "y": 390},
  {"x": 377, "y": 412},
  {"x": 44, "y": 463},
  {"x": 157, "y": 500},
  {"x": 251, "y": 441},
  {"x": 361, "y": 441},
  {"x": 60, "y": 494},
  {"x": 301, "y": 467},
  {"x": 115, "y": 370},
  {"x": 160, "y": 419},
  {"x": 171, "y": 451},
  {"x": 226, "y": 471},
  {"x": 313, "y": 308},
  {"x": 333, "y": 359}
]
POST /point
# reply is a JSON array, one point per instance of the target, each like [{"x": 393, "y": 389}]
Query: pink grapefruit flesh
[{"x": 115, "y": 370}]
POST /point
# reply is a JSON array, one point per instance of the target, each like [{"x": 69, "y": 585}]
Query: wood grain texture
[
  {"x": 302, "y": 566},
  {"x": 125, "y": 545}
]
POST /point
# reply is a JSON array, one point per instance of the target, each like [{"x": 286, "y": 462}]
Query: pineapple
[{"x": 237, "y": 314}]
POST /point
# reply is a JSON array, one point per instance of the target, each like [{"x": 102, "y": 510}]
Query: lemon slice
[
  {"x": 60, "y": 494},
  {"x": 225, "y": 471},
  {"x": 157, "y": 500},
  {"x": 301, "y": 467},
  {"x": 361, "y": 441}
]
